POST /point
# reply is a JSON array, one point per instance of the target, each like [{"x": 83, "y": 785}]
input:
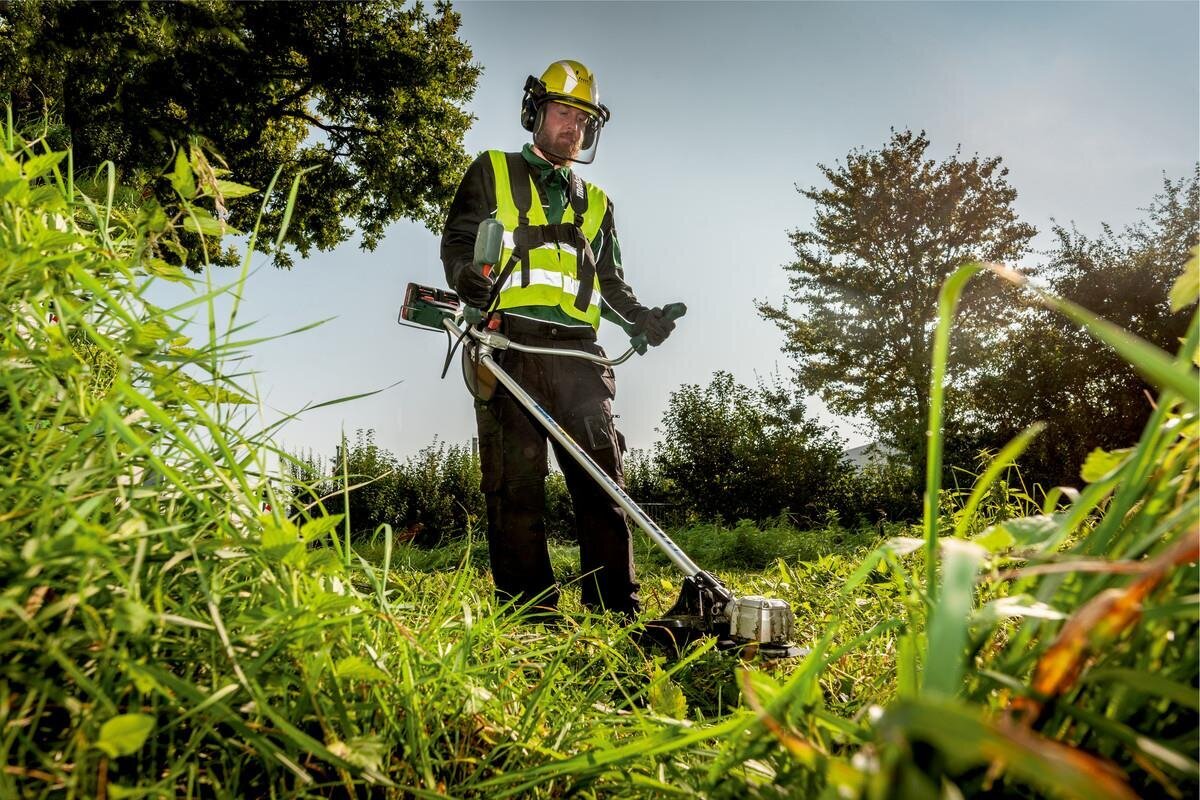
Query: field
[{"x": 161, "y": 636}]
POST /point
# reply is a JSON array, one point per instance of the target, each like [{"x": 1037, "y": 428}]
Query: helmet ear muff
[{"x": 535, "y": 95}]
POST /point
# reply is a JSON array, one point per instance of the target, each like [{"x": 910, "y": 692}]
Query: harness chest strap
[{"x": 527, "y": 237}]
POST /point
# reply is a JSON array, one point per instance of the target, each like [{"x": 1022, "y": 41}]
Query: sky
[{"x": 719, "y": 111}]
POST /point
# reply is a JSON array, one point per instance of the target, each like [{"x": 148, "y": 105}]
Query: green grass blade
[
  {"x": 1007, "y": 456},
  {"x": 945, "y": 654},
  {"x": 948, "y": 299}
]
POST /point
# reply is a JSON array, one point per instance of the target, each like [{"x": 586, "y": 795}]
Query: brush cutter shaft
[{"x": 611, "y": 487}]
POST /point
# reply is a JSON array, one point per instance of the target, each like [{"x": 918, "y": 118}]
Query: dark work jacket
[{"x": 475, "y": 201}]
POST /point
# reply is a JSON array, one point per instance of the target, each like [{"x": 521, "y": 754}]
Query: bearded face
[{"x": 560, "y": 136}]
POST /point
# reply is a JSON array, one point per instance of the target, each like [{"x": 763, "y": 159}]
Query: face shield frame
[{"x": 533, "y": 108}]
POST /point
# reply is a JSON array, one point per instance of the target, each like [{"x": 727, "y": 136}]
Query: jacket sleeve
[
  {"x": 613, "y": 289},
  {"x": 473, "y": 203}
]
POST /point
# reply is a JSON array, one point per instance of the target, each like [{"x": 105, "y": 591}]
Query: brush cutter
[{"x": 706, "y": 607}]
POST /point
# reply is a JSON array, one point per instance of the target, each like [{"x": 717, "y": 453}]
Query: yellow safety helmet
[{"x": 572, "y": 84}]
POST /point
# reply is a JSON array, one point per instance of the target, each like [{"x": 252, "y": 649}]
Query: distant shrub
[{"x": 729, "y": 452}]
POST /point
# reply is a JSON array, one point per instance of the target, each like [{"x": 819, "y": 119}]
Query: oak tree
[
  {"x": 368, "y": 97},
  {"x": 889, "y": 227}
]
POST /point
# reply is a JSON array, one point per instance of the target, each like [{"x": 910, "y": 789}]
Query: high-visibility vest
[{"x": 544, "y": 264}]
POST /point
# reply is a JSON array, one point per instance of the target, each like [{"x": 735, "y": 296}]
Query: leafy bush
[
  {"x": 1048, "y": 369},
  {"x": 560, "y": 511},
  {"x": 730, "y": 453},
  {"x": 440, "y": 491},
  {"x": 430, "y": 498}
]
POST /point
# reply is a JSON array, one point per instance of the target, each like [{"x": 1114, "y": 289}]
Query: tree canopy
[
  {"x": 889, "y": 228},
  {"x": 1049, "y": 370},
  {"x": 367, "y": 97}
]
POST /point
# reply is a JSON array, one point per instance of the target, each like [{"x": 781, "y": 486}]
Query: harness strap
[
  {"x": 527, "y": 237},
  {"x": 518, "y": 179},
  {"x": 585, "y": 260}
]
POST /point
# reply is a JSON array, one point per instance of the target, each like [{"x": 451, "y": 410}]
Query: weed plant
[{"x": 162, "y": 638}]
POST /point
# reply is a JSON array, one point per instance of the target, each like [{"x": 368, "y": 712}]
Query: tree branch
[
  {"x": 328, "y": 128},
  {"x": 273, "y": 111}
]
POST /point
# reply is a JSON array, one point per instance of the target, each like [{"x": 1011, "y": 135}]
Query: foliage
[
  {"x": 643, "y": 481},
  {"x": 162, "y": 639},
  {"x": 729, "y": 452},
  {"x": 880, "y": 490},
  {"x": 756, "y": 547},
  {"x": 374, "y": 496},
  {"x": 441, "y": 486},
  {"x": 560, "y": 509},
  {"x": 889, "y": 228},
  {"x": 428, "y": 498},
  {"x": 366, "y": 98},
  {"x": 1052, "y": 371}
]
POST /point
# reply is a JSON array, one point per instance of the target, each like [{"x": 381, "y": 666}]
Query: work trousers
[{"x": 578, "y": 394}]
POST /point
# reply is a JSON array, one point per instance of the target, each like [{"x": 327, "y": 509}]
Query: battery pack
[{"x": 428, "y": 306}]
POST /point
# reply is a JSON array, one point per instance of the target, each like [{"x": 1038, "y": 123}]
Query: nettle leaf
[
  {"x": 1032, "y": 531},
  {"x": 316, "y": 528},
  {"x": 206, "y": 393},
  {"x": 230, "y": 190},
  {"x": 10, "y": 187},
  {"x": 324, "y": 603},
  {"x": 995, "y": 538},
  {"x": 357, "y": 668},
  {"x": 124, "y": 734},
  {"x": 281, "y": 542},
  {"x": 10, "y": 168},
  {"x": 149, "y": 335},
  {"x": 181, "y": 177},
  {"x": 161, "y": 269},
  {"x": 37, "y": 166},
  {"x": 175, "y": 247},
  {"x": 201, "y": 221},
  {"x": 1186, "y": 289},
  {"x": 1100, "y": 464},
  {"x": 666, "y": 697},
  {"x": 155, "y": 217}
]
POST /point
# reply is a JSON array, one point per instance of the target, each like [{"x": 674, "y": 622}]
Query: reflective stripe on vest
[{"x": 553, "y": 275}]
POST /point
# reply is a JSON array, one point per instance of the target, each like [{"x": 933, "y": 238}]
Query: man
[{"x": 559, "y": 271}]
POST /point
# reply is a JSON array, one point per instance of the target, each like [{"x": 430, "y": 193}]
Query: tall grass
[{"x": 161, "y": 638}]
